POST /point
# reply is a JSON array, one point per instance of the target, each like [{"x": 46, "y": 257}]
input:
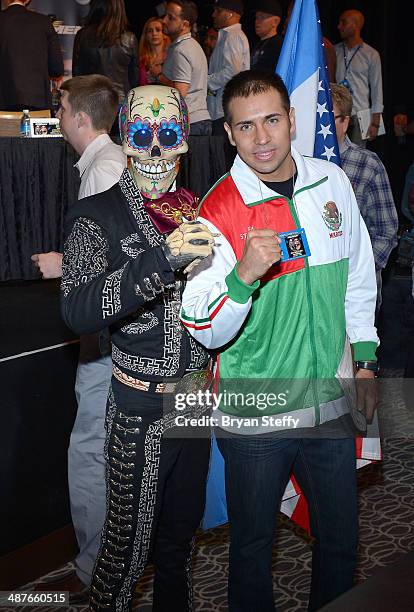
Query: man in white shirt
[
  {"x": 88, "y": 108},
  {"x": 231, "y": 55},
  {"x": 102, "y": 161},
  {"x": 358, "y": 68}
]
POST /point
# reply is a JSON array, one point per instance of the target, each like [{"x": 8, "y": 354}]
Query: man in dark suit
[{"x": 29, "y": 54}]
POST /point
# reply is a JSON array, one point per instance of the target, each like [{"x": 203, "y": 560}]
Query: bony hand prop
[{"x": 189, "y": 242}]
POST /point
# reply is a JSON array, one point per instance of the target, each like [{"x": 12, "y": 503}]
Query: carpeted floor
[{"x": 386, "y": 501}]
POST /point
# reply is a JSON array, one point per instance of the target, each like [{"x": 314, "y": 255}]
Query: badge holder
[{"x": 294, "y": 244}]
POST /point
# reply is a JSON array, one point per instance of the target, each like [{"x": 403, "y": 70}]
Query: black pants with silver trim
[{"x": 155, "y": 502}]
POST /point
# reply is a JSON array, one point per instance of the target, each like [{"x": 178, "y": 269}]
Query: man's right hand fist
[{"x": 261, "y": 251}]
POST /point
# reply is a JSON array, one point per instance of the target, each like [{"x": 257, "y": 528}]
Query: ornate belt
[
  {"x": 143, "y": 385},
  {"x": 191, "y": 382}
]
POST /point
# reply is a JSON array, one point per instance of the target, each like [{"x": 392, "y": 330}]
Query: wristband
[{"x": 367, "y": 365}]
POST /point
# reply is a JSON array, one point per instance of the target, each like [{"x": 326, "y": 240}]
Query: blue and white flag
[{"x": 302, "y": 66}]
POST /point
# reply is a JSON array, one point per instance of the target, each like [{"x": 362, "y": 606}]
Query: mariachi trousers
[{"x": 155, "y": 502}]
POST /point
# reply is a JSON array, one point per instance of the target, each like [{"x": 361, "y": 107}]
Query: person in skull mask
[{"x": 122, "y": 268}]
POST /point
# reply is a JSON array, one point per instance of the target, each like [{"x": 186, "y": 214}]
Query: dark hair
[
  {"x": 250, "y": 83},
  {"x": 189, "y": 11},
  {"x": 108, "y": 18},
  {"x": 94, "y": 95}
]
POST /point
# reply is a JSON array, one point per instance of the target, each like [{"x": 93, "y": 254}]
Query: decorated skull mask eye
[{"x": 154, "y": 128}]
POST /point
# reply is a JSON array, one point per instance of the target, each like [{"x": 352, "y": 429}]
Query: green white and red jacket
[{"x": 300, "y": 320}]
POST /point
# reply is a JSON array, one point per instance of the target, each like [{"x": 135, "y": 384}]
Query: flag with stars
[{"x": 302, "y": 66}]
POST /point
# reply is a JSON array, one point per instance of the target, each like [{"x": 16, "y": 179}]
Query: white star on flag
[
  {"x": 302, "y": 66},
  {"x": 320, "y": 108},
  {"x": 325, "y": 130},
  {"x": 328, "y": 153}
]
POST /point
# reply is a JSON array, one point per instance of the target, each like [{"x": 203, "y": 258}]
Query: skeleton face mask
[{"x": 154, "y": 127}]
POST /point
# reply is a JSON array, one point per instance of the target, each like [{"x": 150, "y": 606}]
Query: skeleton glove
[{"x": 189, "y": 242}]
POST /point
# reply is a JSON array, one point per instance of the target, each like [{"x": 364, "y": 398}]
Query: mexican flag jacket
[{"x": 299, "y": 322}]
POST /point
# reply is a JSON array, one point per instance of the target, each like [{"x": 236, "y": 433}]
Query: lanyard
[{"x": 347, "y": 64}]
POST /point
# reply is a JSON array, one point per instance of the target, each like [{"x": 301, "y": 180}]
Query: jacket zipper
[{"x": 310, "y": 319}]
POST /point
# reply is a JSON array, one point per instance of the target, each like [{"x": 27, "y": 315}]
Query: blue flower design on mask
[
  {"x": 170, "y": 134},
  {"x": 139, "y": 134}
]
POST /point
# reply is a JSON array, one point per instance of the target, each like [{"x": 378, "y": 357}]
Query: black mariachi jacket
[{"x": 115, "y": 275}]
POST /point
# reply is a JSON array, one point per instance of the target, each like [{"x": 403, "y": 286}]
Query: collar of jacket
[{"x": 254, "y": 191}]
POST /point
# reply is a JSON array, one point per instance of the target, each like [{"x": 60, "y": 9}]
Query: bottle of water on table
[{"x": 25, "y": 124}]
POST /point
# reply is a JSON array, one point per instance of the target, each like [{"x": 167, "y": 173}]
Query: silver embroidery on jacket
[
  {"x": 111, "y": 293},
  {"x": 168, "y": 364},
  {"x": 136, "y": 204},
  {"x": 198, "y": 355},
  {"x": 143, "y": 323},
  {"x": 85, "y": 254},
  {"x": 128, "y": 249}
]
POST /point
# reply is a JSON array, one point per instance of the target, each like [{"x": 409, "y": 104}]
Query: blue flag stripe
[{"x": 302, "y": 54}]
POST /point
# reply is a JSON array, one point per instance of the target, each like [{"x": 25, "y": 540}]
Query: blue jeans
[{"x": 257, "y": 471}]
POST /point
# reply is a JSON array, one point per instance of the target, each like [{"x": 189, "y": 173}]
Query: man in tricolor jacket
[{"x": 285, "y": 315}]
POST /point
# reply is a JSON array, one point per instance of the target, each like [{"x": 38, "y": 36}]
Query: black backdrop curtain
[{"x": 37, "y": 185}]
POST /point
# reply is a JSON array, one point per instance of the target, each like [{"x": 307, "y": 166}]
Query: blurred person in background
[
  {"x": 29, "y": 54},
  {"x": 358, "y": 67},
  {"x": 185, "y": 67},
  {"x": 209, "y": 42},
  {"x": 231, "y": 55},
  {"x": 265, "y": 54},
  {"x": 403, "y": 126},
  {"x": 370, "y": 182},
  {"x": 106, "y": 46},
  {"x": 152, "y": 50}
]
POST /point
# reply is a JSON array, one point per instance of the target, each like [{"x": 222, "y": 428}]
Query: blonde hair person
[{"x": 152, "y": 50}]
